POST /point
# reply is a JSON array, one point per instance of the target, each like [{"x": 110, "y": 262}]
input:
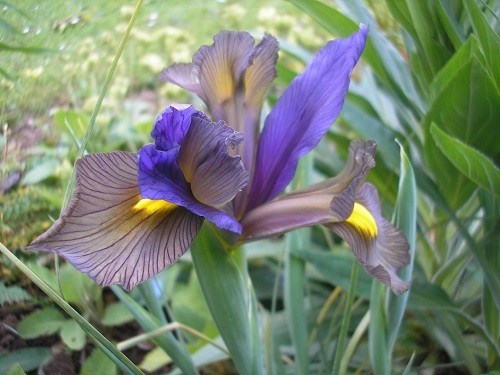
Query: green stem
[
  {"x": 346, "y": 319},
  {"x": 104, "y": 344}
]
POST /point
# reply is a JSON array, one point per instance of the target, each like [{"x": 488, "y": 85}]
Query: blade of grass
[
  {"x": 104, "y": 344},
  {"x": 346, "y": 319},
  {"x": 377, "y": 332}
]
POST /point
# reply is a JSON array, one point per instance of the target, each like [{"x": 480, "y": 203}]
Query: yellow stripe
[
  {"x": 363, "y": 220},
  {"x": 151, "y": 206}
]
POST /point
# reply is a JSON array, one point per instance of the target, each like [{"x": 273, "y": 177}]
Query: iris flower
[{"x": 133, "y": 214}]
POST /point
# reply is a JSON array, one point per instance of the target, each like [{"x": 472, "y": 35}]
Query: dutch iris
[{"x": 132, "y": 215}]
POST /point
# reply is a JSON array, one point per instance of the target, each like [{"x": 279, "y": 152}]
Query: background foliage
[{"x": 429, "y": 78}]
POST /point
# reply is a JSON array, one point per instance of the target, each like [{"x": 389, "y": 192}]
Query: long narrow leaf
[
  {"x": 405, "y": 220},
  {"x": 230, "y": 297}
]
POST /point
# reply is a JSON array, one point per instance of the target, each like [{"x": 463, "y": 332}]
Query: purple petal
[
  {"x": 329, "y": 201},
  {"x": 106, "y": 230},
  {"x": 172, "y": 125},
  {"x": 220, "y": 67},
  {"x": 258, "y": 77},
  {"x": 185, "y": 76},
  {"x": 302, "y": 115},
  {"x": 215, "y": 176},
  {"x": 160, "y": 178},
  {"x": 381, "y": 254}
]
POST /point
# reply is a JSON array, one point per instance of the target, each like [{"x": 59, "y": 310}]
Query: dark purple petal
[
  {"x": 382, "y": 253},
  {"x": 302, "y": 115},
  {"x": 326, "y": 202},
  {"x": 160, "y": 178},
  {"x": 108, "y": 232},
  {"x": 172, "y": 125},
  {"x": 185, "y": 76},
  {"x": 215, "y": 176}
]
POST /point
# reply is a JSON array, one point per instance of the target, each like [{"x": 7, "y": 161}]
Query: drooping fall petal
[
  {"x": 302, "y": 115},
  {"x": 380, "y": 247},
  {"x": 326, "y": 202},
  {"x": 109, "y": 232}
]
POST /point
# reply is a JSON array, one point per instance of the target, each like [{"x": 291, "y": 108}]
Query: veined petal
[
  {"x": 185, "y": 76},
  {"x": 215, "y": 176},
  {"x": 160, "y": 178},
  {"x": 326, "y": 202},
  {"x": 302, "y": 115},
  {"x": 257, "y": 79},
  {"x": 383, "y": 249},
  {"x": 172, "y": 125},
  {"x": 220, "y": 67},
  {"x": 109, "y": 232}
]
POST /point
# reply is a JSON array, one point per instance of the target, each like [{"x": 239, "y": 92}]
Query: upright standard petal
[
  {"x": 302, "y": 115},
  {"x": 326, "y": 202},
  {"x": 220, "y": 69},
  {"x": 109, "y": 232},
  {"x": 380, "y": 247}
]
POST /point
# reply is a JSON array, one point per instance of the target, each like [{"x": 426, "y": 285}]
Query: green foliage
[{"x": 428, "y": 77}]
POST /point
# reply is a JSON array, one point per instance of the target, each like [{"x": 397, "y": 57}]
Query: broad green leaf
[
  {"x": 458, "y": 105},
  {"x": 72, "y": 122},
  {"x": 230, "y": 297},
  {"x": 116, "y": 314},
  {"x": 73, "y": 335},
  {"x": 98, "y": 363},
  {"x": 39, "y": 172},
  {"x": 29, "y": 359},
  {"x": 154, "y": 360},
  {"x": 469, "y": 161},
  {"x": 41, "y": 323},
  {"x": 488, "y": 38},
  {"x": 12, "y": 294}
]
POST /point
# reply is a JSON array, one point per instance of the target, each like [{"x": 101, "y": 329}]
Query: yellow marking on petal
[
  {"x": 363, "y": 220},
  {"x": 152, "y": 206}
]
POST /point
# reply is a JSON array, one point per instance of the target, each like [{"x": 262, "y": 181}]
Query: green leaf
[
  {"x": 118, "y": 357},
  {"x": 377, "y": 331},
  {"x": 72, "y": 122},
  {"x": 41, "y": 323},
  {"x": 175, "y": 349},
  {"x": 488, "y": 38},
  {"x": 406, "y": 221},
  {"x": 73, "y": 335},
  {"x": 45, "y": 169},
  {"x": 16, "y": 369},
  {"x": 116, "y": 314},
  {"x": 12, "y": 294},
  {"x": 98, "y": 363},
  {"x": 230, "y": 297},
  {"x": 29, "y": 358},
  {"x": 11, "y": 48},
  {"x": 472, "y": 163},
  {"x": 458, "y": 105}
]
